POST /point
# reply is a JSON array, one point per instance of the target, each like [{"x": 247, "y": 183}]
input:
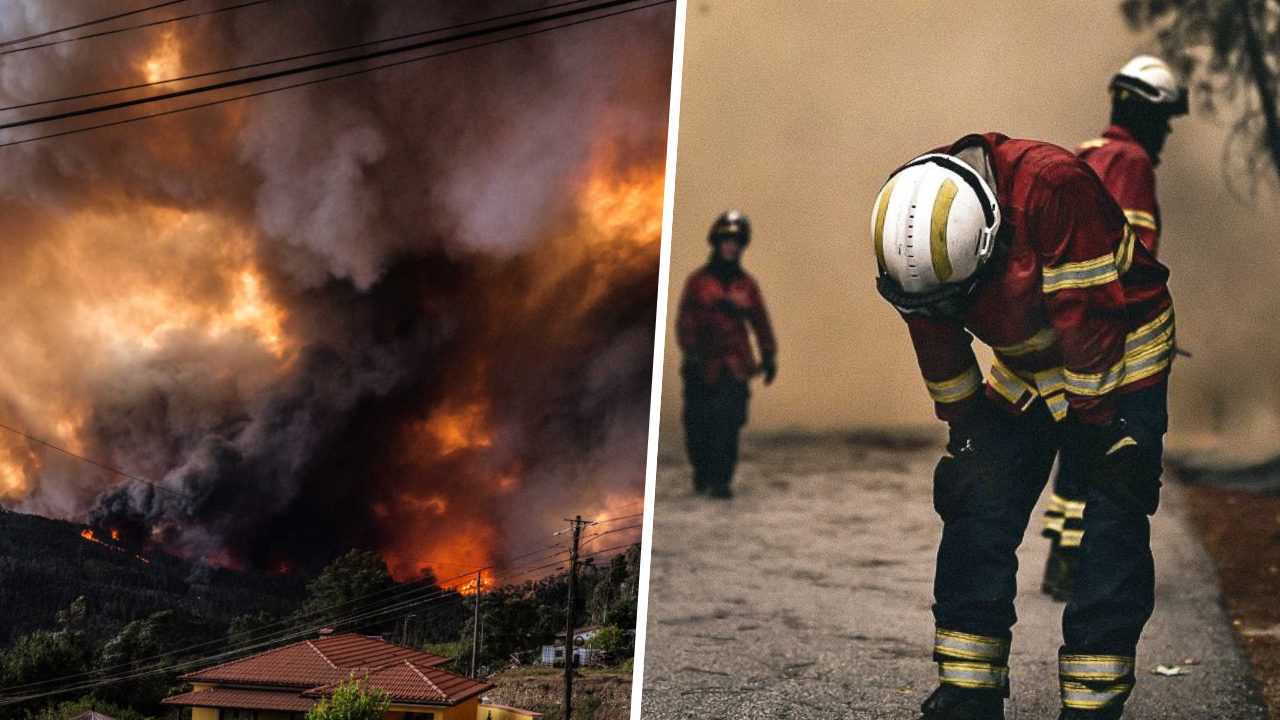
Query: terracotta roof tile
[
  {"x": 237, "y": 698},
  {"x": 311, "y": 663},
  {"x": 409, "y": 682}
]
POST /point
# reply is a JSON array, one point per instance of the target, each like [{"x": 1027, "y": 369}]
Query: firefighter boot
[
  {"x": 1060, "y": 572},
  {"x": 952, "y": 702}
]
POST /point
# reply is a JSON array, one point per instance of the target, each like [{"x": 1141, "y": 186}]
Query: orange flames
[
  {"x": 91, "y": 536},
  {"x": 458, "y": 426},
  {"x": 624, "y": 206},
  {"x": 165, "y": 59},
  {"x": 484, "y": 582}
]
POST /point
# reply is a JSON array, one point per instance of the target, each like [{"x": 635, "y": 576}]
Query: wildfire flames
[
  {"x": 484, "y": 582},
  {"x": 89, "y": 535},
  {"x": 412, "y": 313}
]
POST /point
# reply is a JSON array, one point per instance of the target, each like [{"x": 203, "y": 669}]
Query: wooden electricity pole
[
  {"x": 578, "y": 524},
  {"x": 475, "y": 627}
]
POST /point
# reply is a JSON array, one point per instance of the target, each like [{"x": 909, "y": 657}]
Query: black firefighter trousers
[
  {"x": 714, "y": 414},
  {"x": 975, "y": 583}
]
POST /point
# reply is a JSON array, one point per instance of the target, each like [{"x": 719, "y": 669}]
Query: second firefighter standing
[
  {"x": 1145, "y": 96},
  {"x": 720, "y": 308}
]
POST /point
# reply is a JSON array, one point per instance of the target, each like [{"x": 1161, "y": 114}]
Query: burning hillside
[{"x": 411, "y": 311}]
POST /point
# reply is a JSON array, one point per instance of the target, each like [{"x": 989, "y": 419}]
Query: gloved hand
[
  {"x": 970, "y": 450},
  {"x": 769, "y": 365},
  {"x": 1120, "y": 467},
  {"x": 728, "y": 307}
]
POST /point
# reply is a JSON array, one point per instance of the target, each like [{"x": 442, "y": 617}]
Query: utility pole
[
  {"x": 404, "y": 631},
  {"x": 578, "y": 524},
  {"x": 475, "y": 626}
]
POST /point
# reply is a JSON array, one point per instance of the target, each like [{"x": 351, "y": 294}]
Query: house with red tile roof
[{"x": 286, "y": 682}]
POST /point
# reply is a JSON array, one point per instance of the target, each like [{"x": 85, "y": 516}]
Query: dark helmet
[{"x": 731, "y": 223}]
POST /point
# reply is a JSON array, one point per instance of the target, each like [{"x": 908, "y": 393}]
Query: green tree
[
  {"x": 351, "y": 701},
  {"x": 1231, "y": 47},
  {"x": 71, "y": 708},
  {"x": 613, "y": 640},
  {"x": 342, "y": 590},
  {"x": 249, "y": 628}
]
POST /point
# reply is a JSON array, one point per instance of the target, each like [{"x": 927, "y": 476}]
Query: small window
[
  {"x": 237, "y": 714},
  {"x": 419, "y": 716}
]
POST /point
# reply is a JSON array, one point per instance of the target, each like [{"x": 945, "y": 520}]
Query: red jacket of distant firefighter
[
  {"x": 711, "y": 326},
  {"x": 1128, "y": 174},
  {"x": 1079, "y": 310}
]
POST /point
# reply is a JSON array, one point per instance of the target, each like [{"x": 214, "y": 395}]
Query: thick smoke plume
[{"x": 410, "y": 310}]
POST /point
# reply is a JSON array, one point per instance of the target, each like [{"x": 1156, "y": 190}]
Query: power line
[
  {"x": 291, "y": 58},
  {"x": 316, "y": 81},
  {"x": 271, "y": 639},
  {"x": 286, "y": 625},
  {"x": 153, "y": 23},
  {"x": 88, "y": 23},
  {"x": 312, "y": 67},
  {"x": 417, "y": 603}
]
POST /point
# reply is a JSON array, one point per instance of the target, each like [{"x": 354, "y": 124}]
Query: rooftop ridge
[
  {"x": 322, "y": 655},
  {"x": 427, "y": 680}
]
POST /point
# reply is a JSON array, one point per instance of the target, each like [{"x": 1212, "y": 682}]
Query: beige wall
[
  {"x": 498, "y": 712},
  {"x": 795, "y": 112}
]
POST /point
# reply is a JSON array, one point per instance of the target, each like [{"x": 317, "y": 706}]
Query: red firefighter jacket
[
  {"x": 711, "y": 325},
  {"x": 1128, "y": 174},
  {"x": 1077, "y": 312}
]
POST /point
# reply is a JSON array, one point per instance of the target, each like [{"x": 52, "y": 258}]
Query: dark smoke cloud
[{"x": 415, "y": 233}]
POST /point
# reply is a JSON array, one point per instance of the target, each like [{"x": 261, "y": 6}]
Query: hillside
[{"x": 46, "y": 564}]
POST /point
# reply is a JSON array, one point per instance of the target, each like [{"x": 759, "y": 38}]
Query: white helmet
[
  {"x": 934, "y": 226},
  {"x": 1150, "y": 79}
]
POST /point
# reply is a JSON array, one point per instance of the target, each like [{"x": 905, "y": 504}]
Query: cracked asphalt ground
[{"x": 808, "y": 595}]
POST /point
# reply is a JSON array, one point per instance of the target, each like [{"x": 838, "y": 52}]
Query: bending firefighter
[
  {"x": 720, "y": 302},
  {"x": 1145, "y": 96},
  {"x": 1017, "y": 243}
]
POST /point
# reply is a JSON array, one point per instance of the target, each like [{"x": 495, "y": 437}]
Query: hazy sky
[{"x": 795, "y": 112}]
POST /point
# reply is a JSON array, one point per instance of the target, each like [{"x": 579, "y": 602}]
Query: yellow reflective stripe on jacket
[
  {"x": 1149, "y": 349},
  {"x": 1042, "y": 340},
  {"x": 1124, "y": 253},
  {"x": 1140, "y": 218},
  {"x": 1091, "y": 384},
  {"x": 1092, "y": 144},
  {"x": 1084, "y": 274},
  {"x": 957, "y": 388},
  {"x": 1012, "y": 388}
]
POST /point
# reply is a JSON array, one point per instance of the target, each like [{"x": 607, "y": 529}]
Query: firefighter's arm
[
  {"x": 687, "y": 318},
  {"x": 758, "y": 317},
  {"x": 1132, "y": 182},
  {"x": 1079, "y": 231},
  {"x": 950, "y": 370}
]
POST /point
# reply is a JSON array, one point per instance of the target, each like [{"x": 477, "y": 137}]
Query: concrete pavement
[{"x": 808, "y": 596}]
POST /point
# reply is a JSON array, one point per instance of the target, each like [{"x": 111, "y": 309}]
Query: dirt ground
[
  {"x": 1242, "y": 531},
  {"x": 599, "y": 694},
  {"x": 808, "y": 595}
]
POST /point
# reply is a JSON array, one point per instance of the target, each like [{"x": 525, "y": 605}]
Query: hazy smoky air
[
  {"x": 796, "y": 114},
  {"x": 408, "y": 310}
]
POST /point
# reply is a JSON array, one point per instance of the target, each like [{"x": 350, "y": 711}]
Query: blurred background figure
[
  {"x": 720, "y": 301},
  {"x": 1145, "y": 95}
]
